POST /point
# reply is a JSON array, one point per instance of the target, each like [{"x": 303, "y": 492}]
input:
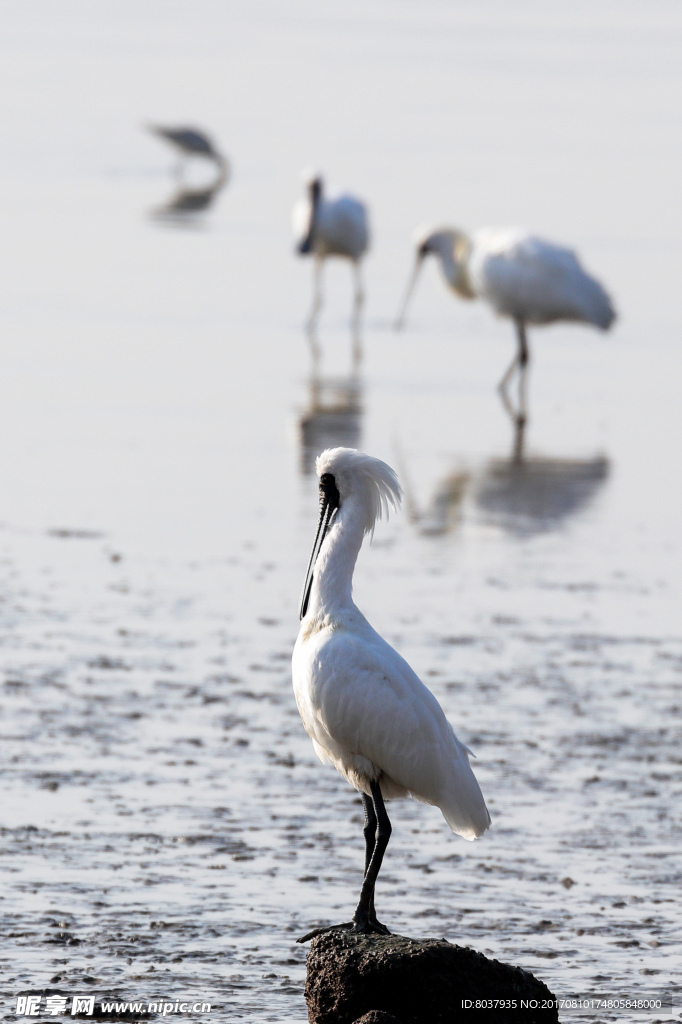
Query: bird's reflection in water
[
  {"x": 357, "y": 350},
  {"x": 529, "y": 494},
  {"x": 187, "y": 200},
  {"x": 443, "y": 513},
  {"x": 524, "y": 494},
  {"x": 332, "y": 417}
]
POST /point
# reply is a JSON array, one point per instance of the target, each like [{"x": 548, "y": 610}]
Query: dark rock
[
  {"x": 378, "y": 1017},
  {"x": 417, "y": 981}
]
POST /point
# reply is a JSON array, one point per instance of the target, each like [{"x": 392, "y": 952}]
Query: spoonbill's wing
[
  {"x": 534, "y": 280},
  {"x": 366, "y": 700},
  {"x": 343, "y": 224}
]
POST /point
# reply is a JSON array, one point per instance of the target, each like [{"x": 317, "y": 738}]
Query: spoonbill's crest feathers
[{"x": 361, "y": 477}]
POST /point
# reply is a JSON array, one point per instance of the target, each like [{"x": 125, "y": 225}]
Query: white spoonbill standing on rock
[
  {"x": 364, "y": 708},
  {"x": 331, "y": 226},
  {"x": 522, "y": 277}
]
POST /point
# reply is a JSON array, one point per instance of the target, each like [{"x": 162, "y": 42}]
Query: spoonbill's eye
[{"x": 329, "y": 491}]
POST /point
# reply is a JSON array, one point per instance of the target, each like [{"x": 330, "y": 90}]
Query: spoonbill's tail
[{"x": 463, "y": 806}]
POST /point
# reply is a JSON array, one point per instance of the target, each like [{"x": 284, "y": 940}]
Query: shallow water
[{"x": 159, "y": 410}]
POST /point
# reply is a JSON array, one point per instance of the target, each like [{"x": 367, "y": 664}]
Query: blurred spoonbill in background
[
  {"x": 191, "y": 142},
  {"x": 331, "y": 226},
  {"x": 522, "y": 277},
  {"x": 364, "y": 708}
]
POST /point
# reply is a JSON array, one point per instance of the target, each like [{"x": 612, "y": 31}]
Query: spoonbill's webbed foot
[
  {"x": 379, "y": 928},
  {"x": 368, "y": 925},
  {"x": 364, "y": 926}
]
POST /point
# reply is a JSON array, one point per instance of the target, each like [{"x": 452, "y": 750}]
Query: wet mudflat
[{"x": 166, "y": 830}]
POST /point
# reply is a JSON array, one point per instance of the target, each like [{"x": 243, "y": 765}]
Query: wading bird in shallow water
[
  {"x": 522, "y": 277},
  {"x": 334, "y": 226},
  {"x": 364, "y": 708},
  {"x": 190, "y": 142}
]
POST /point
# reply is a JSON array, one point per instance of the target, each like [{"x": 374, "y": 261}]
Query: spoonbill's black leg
[
  {"x": 369, "y": 831},
  {"x": 364, "y": 918},
  {"x": 520, "y": 360},
  {"x": 370, "y": 834},
  {"x": 377, "y": 831},
  {"x": 314, "y": 347},
  {"x": 519, "y": 437},
  {"x": 311, "y": 323},
  {"x": 509, "y": 373},
  {"x": 524, "y": 360},
  {"x": 358, "y": 302}
]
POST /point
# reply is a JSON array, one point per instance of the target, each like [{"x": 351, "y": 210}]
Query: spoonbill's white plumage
[
  {"x": 522, "y": 277},
  {"x": 364, "y": 708},
  {"x": 331, "y": 226}
]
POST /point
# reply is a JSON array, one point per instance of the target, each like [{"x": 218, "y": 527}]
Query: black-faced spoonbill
[
  {"x": 522, "y": 277},
  {"x": 331, "y": 226},
  {"x": 190, "y": 142},
  {"x": 364, "y": 708}
]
